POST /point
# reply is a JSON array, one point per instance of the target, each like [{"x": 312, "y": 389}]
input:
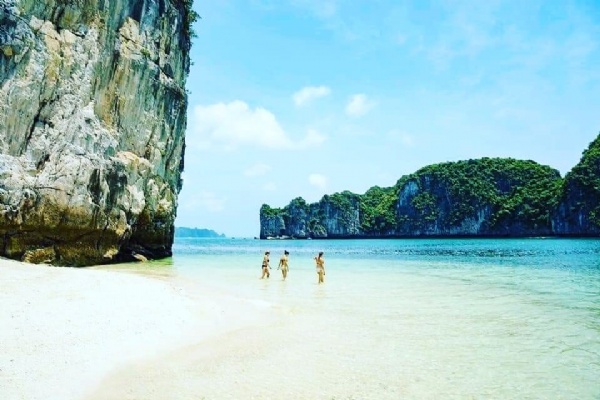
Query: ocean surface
[{"x": 404, "y": 319}]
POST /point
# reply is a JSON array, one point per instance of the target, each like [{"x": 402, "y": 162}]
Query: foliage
[
  {"x": 343, "y": 205},
  {"x": 378, "y": 210},
  {"x": 585, "y": 176},
  {"x": 511, "y": 190},
  {"x": 344, "y": 201},
  {"x": 191, "y": 17},
  {"x": 505, "y": 196},
  {"x": 298, "y": 203},
  {"x": 267, "y": 211},
  {"x": 426, "y": 205}
]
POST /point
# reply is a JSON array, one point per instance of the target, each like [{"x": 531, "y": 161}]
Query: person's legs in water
[{"x": 265, "y": 272}]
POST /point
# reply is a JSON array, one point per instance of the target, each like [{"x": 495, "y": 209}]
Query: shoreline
[
  {"x": 436, "y": 237},
  {"x": 64, "y": 330}
]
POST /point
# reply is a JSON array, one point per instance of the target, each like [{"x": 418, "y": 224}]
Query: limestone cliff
[
  {"x": 490, "y": 196},
  {"x": 486, "y": 197},
  {"x": 578, "y": 212},
  {"x": 335, "y": 216},
  {"x": 92, "y": 121}
]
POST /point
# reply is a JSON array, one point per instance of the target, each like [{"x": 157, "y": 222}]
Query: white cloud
[
  {"x": 257, "y": 170},
  {"x": 312, "y": 139},
  {"x": 309, "y": 93},
  {"x": 235, "y": 124},
  {"x": 318, "y": 180},
  {"x": 358, "y": 105}
]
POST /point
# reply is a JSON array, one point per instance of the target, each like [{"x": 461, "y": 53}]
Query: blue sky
[{"x": 304, "y": 98}]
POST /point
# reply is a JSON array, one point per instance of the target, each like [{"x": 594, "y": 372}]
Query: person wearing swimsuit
[
  {"x": 265, "y": 266},
  {"x": 320, "y": 267},
  {"x": 283, "y": 264}
]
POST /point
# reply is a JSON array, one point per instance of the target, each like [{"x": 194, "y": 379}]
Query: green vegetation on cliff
[
  {"x": 378, "y": 209},
  {"x": 511, "y": 191},
  {"x": 268, "y": 211},
  {"x": 582, "y": 183},
  {"x": 487, "y": 196},
  {"x": 191, "y": 17}
]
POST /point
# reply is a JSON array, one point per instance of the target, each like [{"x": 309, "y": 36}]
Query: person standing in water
[
  {"x": 283, "y": 264},
  {"x": 265, "y": 266},
  {"x": 320, "y": 261}
]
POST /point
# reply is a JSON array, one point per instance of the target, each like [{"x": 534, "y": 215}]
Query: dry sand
[{"x": 63, "y": 330}]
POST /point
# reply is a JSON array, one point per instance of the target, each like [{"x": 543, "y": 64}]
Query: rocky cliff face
[
  {"x": 424, "y": 203},
  {"x": 271, "y": 222},
  {"x": 485, "y": 197},
  {"x": 335, "y": 216},
  {"x": 92, "y": 120},
  {"x": 491, "y": 197},
  {"x": 578, "y": 212}
]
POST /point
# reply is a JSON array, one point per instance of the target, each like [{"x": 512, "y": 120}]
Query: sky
[{"x": 302, "y": 98}]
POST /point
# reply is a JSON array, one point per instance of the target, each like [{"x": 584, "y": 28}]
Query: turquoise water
[{"x": 415, "y": 319}]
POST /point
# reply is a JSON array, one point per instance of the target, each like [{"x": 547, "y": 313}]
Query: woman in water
[
  {"x": 283, "y": 264},
  {"x": 265, "y": 265},
  {"x": 320, "y": 267}
]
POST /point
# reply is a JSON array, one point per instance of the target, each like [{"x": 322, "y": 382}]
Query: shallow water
[{"x": 422, "y": 319}]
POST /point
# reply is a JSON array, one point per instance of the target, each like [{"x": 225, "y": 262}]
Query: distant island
[
  {"x": 487, "y": 197},
  {"x": 181, "y": 231}
]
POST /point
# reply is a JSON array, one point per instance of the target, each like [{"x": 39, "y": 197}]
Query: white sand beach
[
  {"x": 203, "y": 326},
  {"x": 63, "y": 330}
]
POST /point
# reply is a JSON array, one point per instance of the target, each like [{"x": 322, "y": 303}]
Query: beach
[
  {"x": 427, "y": 319},
  {"x": 63, "y": 330}
]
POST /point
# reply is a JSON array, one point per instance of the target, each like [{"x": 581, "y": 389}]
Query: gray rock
[{"x": 92, "y": 121}]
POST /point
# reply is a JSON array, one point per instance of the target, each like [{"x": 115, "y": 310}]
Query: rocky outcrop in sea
[
  {"x": 92, "y": 121},
  {"x": 489, "y": 197}
]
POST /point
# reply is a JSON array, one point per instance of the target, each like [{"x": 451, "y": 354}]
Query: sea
[{"x": 404, "y": 318}]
